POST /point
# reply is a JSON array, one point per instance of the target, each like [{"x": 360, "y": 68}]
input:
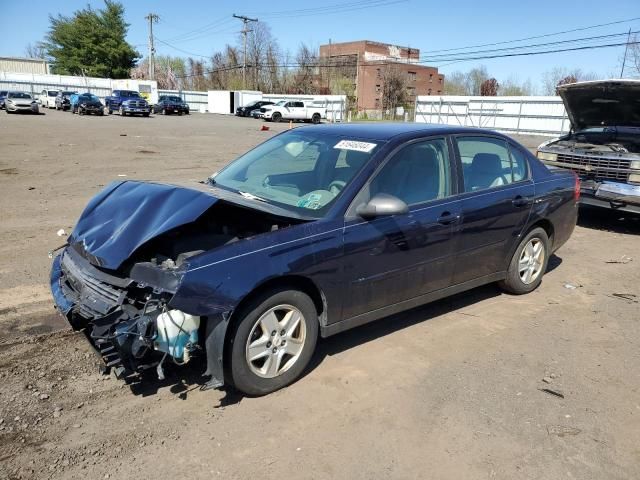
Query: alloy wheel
[
  {"x": 276, "y": 341},
  {"x": 531, "y": 261}
]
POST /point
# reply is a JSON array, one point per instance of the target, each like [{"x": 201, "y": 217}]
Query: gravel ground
[{"x": 455, "y": 388}]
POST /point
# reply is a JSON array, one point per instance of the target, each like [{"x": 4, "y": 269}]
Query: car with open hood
[
  {"x": 63, "y": 100},
  {"x": 313, "y": 232},
  {"x": 603, "y": 145}
]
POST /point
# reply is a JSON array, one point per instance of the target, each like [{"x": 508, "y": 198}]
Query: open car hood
[
  {"x": 602, "y": 103},
  {"x": 126, "y": 215}
]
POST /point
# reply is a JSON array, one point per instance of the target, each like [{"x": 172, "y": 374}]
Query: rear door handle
[
  {"x": 447, "y": 218},
  {"x": 520, "y": 201}
]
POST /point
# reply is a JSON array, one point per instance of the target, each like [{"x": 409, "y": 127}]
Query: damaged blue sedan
[{"x": 315, "y": 231}]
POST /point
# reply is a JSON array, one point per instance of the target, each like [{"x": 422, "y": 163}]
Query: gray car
[{"x": 20, "y": 102}]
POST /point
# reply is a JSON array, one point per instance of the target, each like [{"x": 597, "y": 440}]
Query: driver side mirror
[{"x": 382, "y": 205}]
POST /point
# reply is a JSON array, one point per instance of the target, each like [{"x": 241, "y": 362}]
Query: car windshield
[
  {"x": 281, "y": 103},
  {"x": 126, "y": 93},
  {"x": 175, "y": 99},
  {"x": 19, "y": 95},
  {"x": 301, "y": 172},
  {"x": 68, "y": 93},
  {"x": 89, "y": 97},
  {"x": 52, "y": 93}
]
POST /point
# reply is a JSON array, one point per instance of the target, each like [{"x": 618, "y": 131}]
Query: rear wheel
[
  {"x": 528, "y": 264},
  {"x": 315, "y": 118},
  {"x": 273, "y": 341}
]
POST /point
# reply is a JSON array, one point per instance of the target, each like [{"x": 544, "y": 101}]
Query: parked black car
[
  {"x": 63, "y": 100},
  {"x": 316, "y": 231},
  {"x": 171, "y": 104},
  {"x": 3, "y": 95},
  {"x": 247, "y": 110},
  {"x": 87, "y": 103}
]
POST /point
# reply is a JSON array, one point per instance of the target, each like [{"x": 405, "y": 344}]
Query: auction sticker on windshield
[{"x": 355, "y": 145}]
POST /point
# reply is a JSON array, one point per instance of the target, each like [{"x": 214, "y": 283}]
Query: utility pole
[
  {"x": 245, "y": 30},
  {"x": 152, "y": 18},
  {"x": 626, "y": 49}
]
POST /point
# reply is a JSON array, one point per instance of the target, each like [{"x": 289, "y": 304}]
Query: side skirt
[{"x": 333, "y": 328}]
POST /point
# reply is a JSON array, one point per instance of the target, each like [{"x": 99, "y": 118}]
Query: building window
[
  {"x": 429, "y": 92},
  {"x": 411, "y": 76},
  {"x": 430, "y": 77},
  {"x": 378, "y": 88},
  {"x": 378, "y": 73},
  {"x": 441, "y": 80},
  {"x": 377, "y": 103}
]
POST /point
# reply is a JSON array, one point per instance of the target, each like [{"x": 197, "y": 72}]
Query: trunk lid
[{"x": 602, "y": 103}]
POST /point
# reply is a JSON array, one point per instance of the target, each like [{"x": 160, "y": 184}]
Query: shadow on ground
[{"x": 609, "y": 220}]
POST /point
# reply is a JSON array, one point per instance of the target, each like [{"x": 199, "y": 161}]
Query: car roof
[{"x": 387, "y": 131}]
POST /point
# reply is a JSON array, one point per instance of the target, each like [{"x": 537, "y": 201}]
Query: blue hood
[{"x": 126, "y": 215}]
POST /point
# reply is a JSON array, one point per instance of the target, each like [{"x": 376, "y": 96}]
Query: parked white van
[{"x": 48, "y": 98}]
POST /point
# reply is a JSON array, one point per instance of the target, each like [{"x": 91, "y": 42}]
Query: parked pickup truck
[
  {"x": 603, "y": 147},
  {"x": 293, "y": 110},
  {"x": 127, "y": 102}
]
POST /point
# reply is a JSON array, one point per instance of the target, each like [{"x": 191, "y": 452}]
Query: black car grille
[
  {"x": 93, "y": 297},
  {"x": 600, "y": 167}
]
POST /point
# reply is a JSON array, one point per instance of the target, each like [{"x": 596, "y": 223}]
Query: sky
[{"x": 202, "y": 27}]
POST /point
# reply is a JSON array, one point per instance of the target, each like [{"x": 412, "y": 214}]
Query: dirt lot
[{"x": 450, "y": 390}]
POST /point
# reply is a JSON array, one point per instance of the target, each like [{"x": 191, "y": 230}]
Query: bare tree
[
  {"x": 306, "y": 75},
  {"x": 552, "y": 78},
  {"x": 394, "y": 90},
  {"x": 35, "y": 50},
  {"x": 169, "y": 71}
]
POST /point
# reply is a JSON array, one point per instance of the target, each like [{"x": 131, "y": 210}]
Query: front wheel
[
  {"x": 528, "y": 264},
  {"x": 273, "y": 341},
  {"x": 276, "y": 117},
  {"x": 315, "y": 118},
  {"x": 122, "y": 112}
]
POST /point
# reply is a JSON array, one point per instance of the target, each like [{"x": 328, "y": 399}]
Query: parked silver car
[{"x": 20, "y": 102}]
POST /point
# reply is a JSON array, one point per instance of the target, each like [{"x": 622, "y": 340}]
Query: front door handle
[
  {"x": 520, "y": 201},
  {"x": 447, "y": 218}
]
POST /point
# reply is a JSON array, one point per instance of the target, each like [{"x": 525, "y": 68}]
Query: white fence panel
[
  {"x": 198, "y": 101},
  {"x": 526, "y": 115}
]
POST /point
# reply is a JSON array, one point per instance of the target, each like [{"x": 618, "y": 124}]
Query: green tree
[{"x": 91, "y": 43}]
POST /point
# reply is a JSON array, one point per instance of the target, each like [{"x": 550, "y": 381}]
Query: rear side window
[
  {"x": 519, "y": 165},
  {"x": 486, "y": 163}
]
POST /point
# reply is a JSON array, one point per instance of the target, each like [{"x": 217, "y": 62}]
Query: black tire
[
  {"x": 513, "y": 283},
  {"x": 240, "y": 374},
  {"x": 315, "y": 118},
  {"x": 109, "y": 111},
  {"x": 276, "y": 117},
  {"x": 122, "y": 112},
  {"x": 146, "y": 114},
  {"x": 164, "y": 111}
]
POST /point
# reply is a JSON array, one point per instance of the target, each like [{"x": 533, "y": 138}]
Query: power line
[
  {"x": 537, "y": 36},
  {"x": 520, "y": 47},
  {"x": 215, "y": 24},
  {"x": 383, "y": 63},
  {"x": 330, "y": 9}
]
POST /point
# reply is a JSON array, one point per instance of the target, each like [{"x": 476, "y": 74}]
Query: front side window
[
  {"x": 485, "y": 163},
  {"x": 302, "y": 172},
  {"x": 418, "y": 173}
]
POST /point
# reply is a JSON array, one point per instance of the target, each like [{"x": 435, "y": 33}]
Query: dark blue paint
[{"x": 359, "y": 267}]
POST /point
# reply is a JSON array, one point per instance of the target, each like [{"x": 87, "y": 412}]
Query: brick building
[{"x": 365, "y": 62}]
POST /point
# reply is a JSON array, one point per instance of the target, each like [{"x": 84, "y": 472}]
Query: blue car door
[
  {"x": 392, "y": 259},
  {"x": 497, "y": 197}
]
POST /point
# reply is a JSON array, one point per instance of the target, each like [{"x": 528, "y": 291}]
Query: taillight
[{"x": 576, "y": 188}]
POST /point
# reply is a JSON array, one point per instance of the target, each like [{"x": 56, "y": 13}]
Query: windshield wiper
[{"x": 251, "y": 196}]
